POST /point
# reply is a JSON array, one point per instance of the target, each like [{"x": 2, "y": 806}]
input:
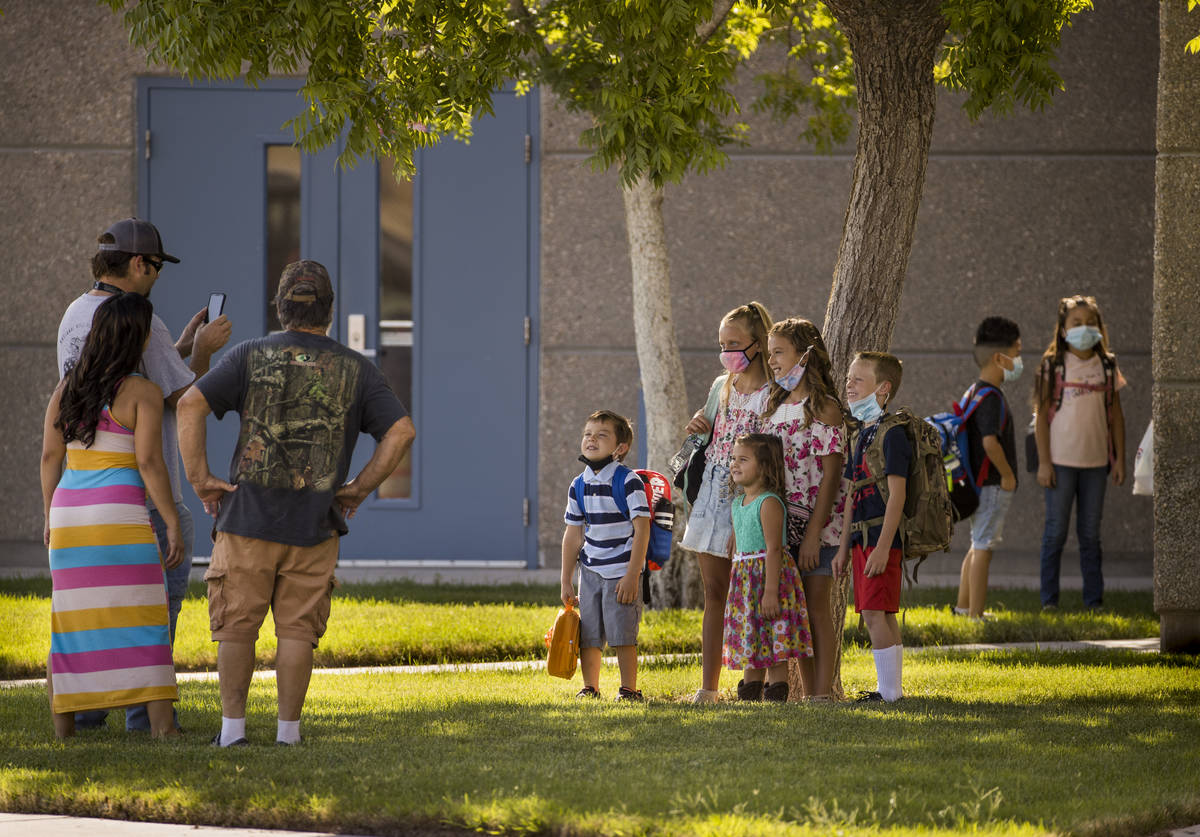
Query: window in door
[
  {"x": 283, "y": 220},
  {"x": 396, "y": 305}
]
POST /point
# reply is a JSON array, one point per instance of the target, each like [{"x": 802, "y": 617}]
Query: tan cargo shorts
[{"x": 247, "y": 576}]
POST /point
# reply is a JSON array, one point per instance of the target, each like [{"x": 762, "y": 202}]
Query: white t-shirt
[
  {"x": 1079, "y": 429},
  {"x": 161, "y": 364}
]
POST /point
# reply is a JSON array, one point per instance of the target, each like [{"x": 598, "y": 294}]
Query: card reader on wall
[{"x": 356, "y": 334}]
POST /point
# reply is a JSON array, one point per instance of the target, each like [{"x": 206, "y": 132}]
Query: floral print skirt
[{"x": 752, "y": 641}]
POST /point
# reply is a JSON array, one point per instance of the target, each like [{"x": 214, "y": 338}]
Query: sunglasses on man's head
[{"x": 157, "y": 264}]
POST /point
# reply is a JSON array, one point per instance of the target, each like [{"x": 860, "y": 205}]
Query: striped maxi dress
[{"x": 110, "y": 643}]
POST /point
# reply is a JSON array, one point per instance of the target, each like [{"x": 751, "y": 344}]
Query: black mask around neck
[{"x": 596, "y": 465}]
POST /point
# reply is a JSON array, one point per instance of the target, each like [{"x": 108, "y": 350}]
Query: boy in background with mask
[
  {"x": 992, "y": 452},
  {"x": 871, "y": 530}
]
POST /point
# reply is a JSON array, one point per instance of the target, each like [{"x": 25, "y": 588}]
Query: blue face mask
[
  {"x": 1082, "y": 337},
  {"x": 1011, "y": 375},
  {"x": 866, "y": 410},
  {"x": 791, "y": 379}
]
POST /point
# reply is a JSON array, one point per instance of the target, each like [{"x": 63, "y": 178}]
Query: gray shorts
[
  {"x": 987, "y": 524},
  {"x": 601, "y": 616}
]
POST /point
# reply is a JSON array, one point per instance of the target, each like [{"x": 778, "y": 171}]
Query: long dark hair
[{"x": 113, "y": 350}]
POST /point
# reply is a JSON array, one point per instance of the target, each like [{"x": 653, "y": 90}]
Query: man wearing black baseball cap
[
  {"x": 129, "y": 256},
  {"x": 133, "y": 235}
]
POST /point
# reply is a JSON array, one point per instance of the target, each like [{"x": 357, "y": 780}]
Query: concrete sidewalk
[
  {"x": 1147, "y": 645},
  {"x": 44, "y": 825}
]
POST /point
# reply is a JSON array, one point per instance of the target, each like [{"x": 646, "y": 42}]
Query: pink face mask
[{"x": 736, "y": 360}]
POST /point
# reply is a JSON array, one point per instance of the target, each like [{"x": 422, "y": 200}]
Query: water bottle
[{"x": 680, "y": 460}]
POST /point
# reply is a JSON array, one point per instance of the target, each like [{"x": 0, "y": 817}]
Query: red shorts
[{"x": 877, "y": 592}]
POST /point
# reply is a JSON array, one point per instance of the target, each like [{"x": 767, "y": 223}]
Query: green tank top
[{"x": 747, "y": 527}]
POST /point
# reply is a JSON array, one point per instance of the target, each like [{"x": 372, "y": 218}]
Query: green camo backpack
[{"x": 926, "y": 525}]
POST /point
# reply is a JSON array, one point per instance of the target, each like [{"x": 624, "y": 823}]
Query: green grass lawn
[
  {"x": 1090, "y": 743},
  {"x": 397, "y": 623}
]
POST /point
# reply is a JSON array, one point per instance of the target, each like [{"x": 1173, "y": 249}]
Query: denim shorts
[
  {"x": 824, "y": 561},
  {"x": 710, "y": 525},
  {"x": 601, "y": 617},
  {"x": 987, "y": 523}
]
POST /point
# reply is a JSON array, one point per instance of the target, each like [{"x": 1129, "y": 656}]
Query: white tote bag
[{"x": 1143, "y": 464}]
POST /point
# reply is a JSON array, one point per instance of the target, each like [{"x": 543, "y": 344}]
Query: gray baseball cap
[{"x": 133, "y": 235}]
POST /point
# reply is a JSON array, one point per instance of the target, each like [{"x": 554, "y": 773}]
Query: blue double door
[{"x": 435, "y": 281}]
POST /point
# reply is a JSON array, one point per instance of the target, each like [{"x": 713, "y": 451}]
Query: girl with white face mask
[
  {"x": 742, "y": 391},
  {"x": 805, "y": 412},
  {"x": 1080, "y": 432}
]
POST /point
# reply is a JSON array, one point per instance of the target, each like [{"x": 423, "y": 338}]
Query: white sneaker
[{"x": 705, "y": 696}]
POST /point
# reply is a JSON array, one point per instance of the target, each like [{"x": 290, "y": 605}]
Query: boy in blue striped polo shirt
[{"x": 610, "y": 546}]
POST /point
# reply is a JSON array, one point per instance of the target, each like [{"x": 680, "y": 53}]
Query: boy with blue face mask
[
  {"x": 871, "y": 540},
  {"x": 992, "y": 450}
]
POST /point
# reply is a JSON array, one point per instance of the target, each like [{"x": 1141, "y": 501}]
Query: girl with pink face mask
[{"x": 743, "y": 391}]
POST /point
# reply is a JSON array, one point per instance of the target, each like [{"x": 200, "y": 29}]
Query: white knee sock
[
  {"x": 889, "y": 664},
  {"x": 288, "y": 732},
  {"x": 232, "y": 729}
]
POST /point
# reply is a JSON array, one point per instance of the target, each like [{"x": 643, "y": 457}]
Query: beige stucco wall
[
  {"x": 67, "y": 122},
  {"x": 1017, "y": 213}
]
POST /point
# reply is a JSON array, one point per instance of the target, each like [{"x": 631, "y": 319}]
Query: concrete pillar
[{"x": 1176, "y": 339}]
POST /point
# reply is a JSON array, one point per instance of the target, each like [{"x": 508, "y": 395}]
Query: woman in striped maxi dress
[{"x": 110, "y": 643}]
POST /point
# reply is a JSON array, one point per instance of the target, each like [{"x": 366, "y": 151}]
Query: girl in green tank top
[{"x": 766, "y": 622}]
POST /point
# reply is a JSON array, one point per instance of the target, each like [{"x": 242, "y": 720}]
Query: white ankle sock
[
  {"x": 888, "y": 665},
  {"x": 232, "y": 729},
  {"x": 288, "y": 732}
]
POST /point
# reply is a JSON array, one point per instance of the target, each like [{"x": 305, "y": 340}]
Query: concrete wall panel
[
  {"x": 1012, "y": 236},
  {"x": 56, "y": 203},
  {"x": 29, "y": 379},
  {"x": 1107, "y": 60},
  {"x": 66, "y": 76}
]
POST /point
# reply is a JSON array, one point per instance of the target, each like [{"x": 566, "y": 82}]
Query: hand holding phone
[{"x": 216, "y": 304}]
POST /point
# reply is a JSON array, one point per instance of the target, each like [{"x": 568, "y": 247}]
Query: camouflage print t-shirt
[{"x": 303, "y": 399}]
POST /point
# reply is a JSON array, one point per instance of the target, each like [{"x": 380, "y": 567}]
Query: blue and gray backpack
[{"x": 962, "y": 484}]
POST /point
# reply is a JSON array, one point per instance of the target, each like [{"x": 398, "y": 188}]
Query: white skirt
[{"x": 710, "y": 524}]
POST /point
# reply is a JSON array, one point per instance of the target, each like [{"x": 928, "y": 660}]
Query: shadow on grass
[{"x": 442, "y": 762}]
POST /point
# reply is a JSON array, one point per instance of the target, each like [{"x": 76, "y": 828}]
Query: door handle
[{"x": 356, "y": 334}]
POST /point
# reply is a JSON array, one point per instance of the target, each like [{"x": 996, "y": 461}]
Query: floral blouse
[
  {"x": 803, "y": 448},
  {"x": 742, "y": 415}
]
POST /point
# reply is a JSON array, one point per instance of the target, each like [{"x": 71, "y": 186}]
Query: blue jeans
[
  {"x": 1088, "y": 485},
  {"x": 177, "y": 584}
]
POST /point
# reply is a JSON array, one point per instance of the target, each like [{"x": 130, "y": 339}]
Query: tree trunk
[
  {"x": 661, "y": 367},
  {"x": 894, "y": 45}
]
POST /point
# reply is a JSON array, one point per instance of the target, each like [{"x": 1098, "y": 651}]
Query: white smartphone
[{"x": 216, "y": 304}]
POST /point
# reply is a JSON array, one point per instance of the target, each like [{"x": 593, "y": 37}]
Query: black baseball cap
[{"x": 133, "y": 235}]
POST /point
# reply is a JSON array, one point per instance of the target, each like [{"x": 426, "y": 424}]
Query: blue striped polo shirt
[{"x": 608, "y": 541}]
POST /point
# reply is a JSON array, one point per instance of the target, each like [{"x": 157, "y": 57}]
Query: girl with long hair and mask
[
  {"x": 805, "y": 412},
  {"x": 741, "y": 398},
  {"x": 1080, "y": 432}
]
